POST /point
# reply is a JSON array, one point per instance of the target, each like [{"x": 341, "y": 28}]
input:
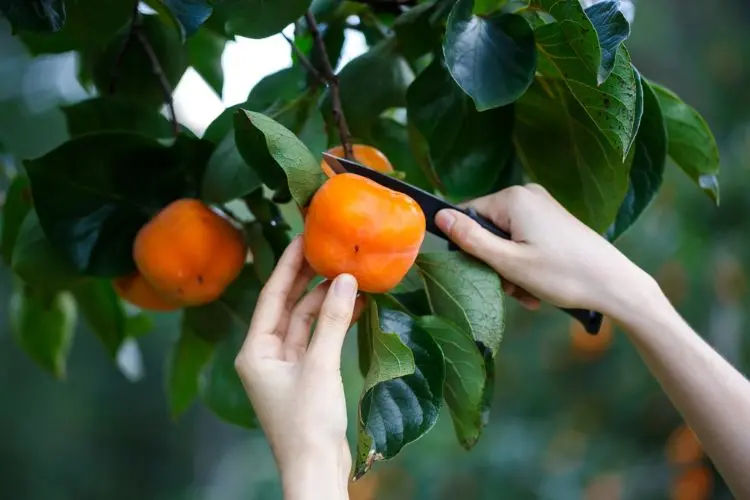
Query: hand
[
  {"x": 552, "y": 256},
  {"x": 296, "y": 388}
]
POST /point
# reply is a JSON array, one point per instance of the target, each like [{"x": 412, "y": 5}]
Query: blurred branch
[
  {"x": 333, "y": 82},
  {"x": 304, "y": 60}
]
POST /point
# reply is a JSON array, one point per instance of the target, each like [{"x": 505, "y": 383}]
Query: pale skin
[{"x": 297, "y": 390}]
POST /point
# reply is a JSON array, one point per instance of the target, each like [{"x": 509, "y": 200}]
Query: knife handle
[{"x": 591, "y": 320}]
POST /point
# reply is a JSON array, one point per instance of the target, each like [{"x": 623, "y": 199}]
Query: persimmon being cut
[
  {"x": 366, "y": 155},
  {"x": 135, "y": 289},
  {"x": 356, "y": 226},
  {"x": 189, "y": 253}
]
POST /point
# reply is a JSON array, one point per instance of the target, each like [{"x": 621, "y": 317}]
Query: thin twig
[
  {"x": 304, "y": 60},
  {"x": 333, "y": 82},
  {"x": 118, "y": 60},
  {"x": 159, "y": 73}
]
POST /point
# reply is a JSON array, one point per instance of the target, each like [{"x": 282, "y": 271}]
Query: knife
[{"x": 431, "y": 205}]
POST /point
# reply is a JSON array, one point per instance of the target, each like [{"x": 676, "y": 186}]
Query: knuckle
[{"x": 334, "y": 314}]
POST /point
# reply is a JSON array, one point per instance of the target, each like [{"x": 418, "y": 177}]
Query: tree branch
[
  {"x": 304, "y": 60},
  {"x": 333, "y": 83}
]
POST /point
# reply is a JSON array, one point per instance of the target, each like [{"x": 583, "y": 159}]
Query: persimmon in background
[
  {"x": 589, "y": 346},
  {"x": 135, "y": 289},
  {"x": 692, "y": 483},
  {"x": 683, "y": 447},
  {"x": 189, "y": 253},
  {"x": 368, "y": 156},
  {"x": 356, "y": 226}
]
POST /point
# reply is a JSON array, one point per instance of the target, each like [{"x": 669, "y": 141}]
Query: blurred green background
[{"x": 574, "y": 416}]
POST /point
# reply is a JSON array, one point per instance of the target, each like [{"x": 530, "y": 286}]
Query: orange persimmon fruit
[
  {"x": 356, "y": 226},
  {"x": 189, "y": 253},
  {"x": 368, "y": 156},
  {"x": 135, "y": 289}
]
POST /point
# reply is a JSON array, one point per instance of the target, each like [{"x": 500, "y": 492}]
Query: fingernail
[
  {"x": 344, "y": 286},
  {"x": 444, "y": 219}
]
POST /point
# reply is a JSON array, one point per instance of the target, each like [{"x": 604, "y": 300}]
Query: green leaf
[
  {"x": 492, "y": 59},
  {"x": 264, "y": 257},
  {"x": 647, "y": 170},
  {"x": 43, "y": 324},
  {"x": 260, "y": 18},
  {"x": 277, "y": 155},
  {"x": 612, "y": 104},
  {"x": 691, "y": 143},
  {"x": 34, "y": 15},
  {"x": 467, "y": 149},
  {"x": 124, "y": 64},
  {"x": 332, "y": 33},
  {"x": 186, "y": 360},
  {"x": 191, "y": 13},
  {"x": 227, "y": 176},
  {"x": 392, "y": 139},
  {"x": 37, "y": 262},
  {"x": 613, "y": 29},
  {"x": 103, "y": 311},
  {"x": 403, "y": 388},
  {"x": 589, "y": 177},
  {"x": 204, "y": 54},
  {"x": 465, "y": 292},
  {"x": 17, "y": 205},
  {"x": 115, "y": 113},
  {"x": 415, "y": 33},
  {"x": 93, "y": 193},
  {"x": 465, "y": 377}
]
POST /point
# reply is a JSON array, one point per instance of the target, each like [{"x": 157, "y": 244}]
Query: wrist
[
  {"x": 317, "y": 473},
  {"x": 635, "y": 299}
]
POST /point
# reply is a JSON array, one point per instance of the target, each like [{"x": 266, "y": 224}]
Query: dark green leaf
[
  {"x": 613, "y": 29},
  {"x": 467, "y": 149},
  {"x": 647, "y": 169},
  {"x": 103, "y": 311},
  {"x": 589, "y": 177},
  {"x": 227, "y": 175},
  {"x": 465, "y": 292},
  {"x": 260, "y": 18},
  {"x": 186, "y": 360},
  {"x": 94, "y": 192},
  {"x": 392, "y": 139},
  {"x": 191, "y": 13},
  {"x": 43, "y": 324},
  {"x": 691, "y": 144},
  {"x": 17, "y": 205},
  {"x": 115, "y": 113},
  {"x": 37, "y": 262},
  {"x": 277, "y": 155},
  {"x": 264, "y": 257},
  {"x": 415, "y": 33},
  {"x": 138, "y": 324},
  {"x": 465, "y": 377},
  {"x": 492, "y": 59},
  {"x": 403, "y": 388},
  {"x": 204, "y": 54},
  {"x": 273, "y": 226},
  {"x": 34, "y": 15},
  {"x": 332, "y": 33},
  {"x": 304, "y": 119},
  {"x": 610, "y": 105}
]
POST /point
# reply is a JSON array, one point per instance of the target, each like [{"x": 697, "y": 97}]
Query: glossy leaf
[
  {"x": 191, "y": 13},
  {"x": 260, "y": 18},
  {"x": 493, "y": 59},
  {"x": 103, "y": 311},
  {"x": 115, "y": 113},
  {"x": 403, "y": 388},
  {"x": 691, "y": 143},
  {"x": 467, "y": 293},
  {"x": 467, "y": 149},
  {"x": 38, "y": 262},
  {"x": 613, "y": 29},
  {"x": 186, "y": 360},
  {"x": 415, "y": 32},
  {"x": 392, "y": 138},
  {"x": 43, "y": 324},
  {"x": 277, "y": 155},
  {"x": 205, "y": 49},
  {"x": 590, "y": 179},
  {"x": 16, "y": 206},
  {"x": 94, "y": 192},
  {"x": 34, "y": 15},
  {"x": 610, "y": 105},
  {"x": 264, "y": 257},
  {"x": 647, "y": 170},
  {"x": 227, "y": 176}
]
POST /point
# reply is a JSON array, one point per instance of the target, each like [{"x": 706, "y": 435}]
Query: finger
[{"x": 336, "y": 314}]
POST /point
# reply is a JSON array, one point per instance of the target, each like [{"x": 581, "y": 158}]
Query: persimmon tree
[{"x": 463, "y": 97}]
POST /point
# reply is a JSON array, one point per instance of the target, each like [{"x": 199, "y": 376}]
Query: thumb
[
  {"x": 334, "y": 321},
  {"x": 474, "y": 239}
]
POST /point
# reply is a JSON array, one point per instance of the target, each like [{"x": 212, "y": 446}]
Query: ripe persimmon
[
  {"x": 683, "y": 446},
  {"x": 189, "y": 253},
  {"x": 368, "y": 156},
  {"x": 589, "y": 346},
  {"x": 356, "y": 226},
  {"x": 135, "y": 289}
]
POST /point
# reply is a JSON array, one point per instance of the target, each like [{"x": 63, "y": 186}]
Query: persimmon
[
  {"x": 589, "y": 346},
  {"x": 189, "y": 253},
  {"x": 694, "y": 483},
  {"x": 683, "y": 446},
  {"x": 356, "y": 226},
  {"x": 135, "y": 289},
  {"x": 368, "y": 156}
]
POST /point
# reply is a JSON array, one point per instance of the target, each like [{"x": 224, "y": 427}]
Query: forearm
[
  {"x": 319, "y": 474},
  {"x": 712, "y": 396}
]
